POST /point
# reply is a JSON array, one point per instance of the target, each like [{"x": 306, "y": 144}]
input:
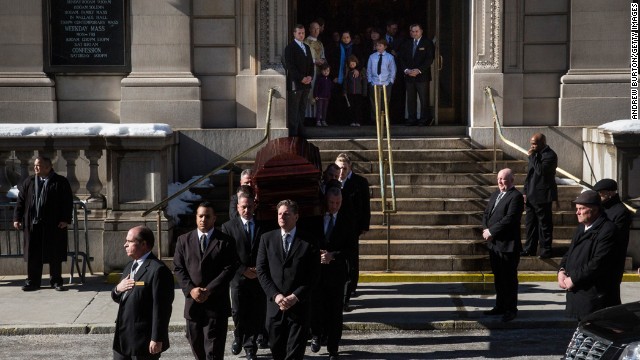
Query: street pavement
[{"x": 88, "y": 309}]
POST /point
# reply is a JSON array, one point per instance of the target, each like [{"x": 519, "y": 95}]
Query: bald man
[{"x": 540, "y": 192}]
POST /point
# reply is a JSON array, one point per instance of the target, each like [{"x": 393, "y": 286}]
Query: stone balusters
[
  {"x": 25, "y": 158},
  {"x": 96, "y": 200},
  {"x": 70, "y": 156},
  {"x": 5, "y": 184}
]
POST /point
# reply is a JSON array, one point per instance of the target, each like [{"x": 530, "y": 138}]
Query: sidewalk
[{"x": 447, "y": 305}]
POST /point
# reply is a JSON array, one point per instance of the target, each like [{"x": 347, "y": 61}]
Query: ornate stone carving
[
  {"x": 488, "y": 35},
  {"x": 267, "y": 36}
]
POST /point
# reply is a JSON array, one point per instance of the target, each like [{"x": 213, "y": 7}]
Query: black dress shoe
[
  {"x": 346, "y": 308},
  {"x": 251, "y": 356},
  {"x": 58, "y": 287},
  {"x": 525, "y": 253},
  {"x": 494, "y": 311},
  {"x": 315, "y": 344},
  {"x": 235, "y": 347},
  {"x": 508, "y": 316},
  {"x": 544, "y": 256},
  {"x": 333, "y": 357},
  {"x": 30, "y": 287},
  {"x": 263, "y": 343}
]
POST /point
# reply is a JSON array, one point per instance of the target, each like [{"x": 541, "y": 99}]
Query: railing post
[{"x": 94, "y": 186}]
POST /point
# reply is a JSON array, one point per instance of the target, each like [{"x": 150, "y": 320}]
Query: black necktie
[
  {"x": 133, "y": 269},
  {"x": 286, "y": 244},
  {"x": 380, "y": 64},
  {"x": 415, "y": 46},
  {"x": 330, "y": 226},
  {"x": 203, "y": 243}
]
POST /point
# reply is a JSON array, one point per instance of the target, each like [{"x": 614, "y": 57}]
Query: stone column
[
  {"x": 26, "y": 93},
  {"x": 161, "y": 86},
  {"x": 70, "y": 156},
  {"x": 595, "y": 90}
]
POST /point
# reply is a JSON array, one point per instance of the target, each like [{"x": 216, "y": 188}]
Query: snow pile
[
  {"x": 85, "y": 129},
  {"x": 622, "y": 126}
]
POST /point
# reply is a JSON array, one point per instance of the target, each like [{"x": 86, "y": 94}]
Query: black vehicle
[{"x": 611, "y": 333}]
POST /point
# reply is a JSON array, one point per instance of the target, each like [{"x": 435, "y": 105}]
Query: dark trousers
[
  {"x": 207, "y": 337},
  {"x": 288, "y": 336},
  {"x": 118, "y": 356},
  {"x": 353, "y": 273},
  {"x": 296, "y": 106},
  {"x": 504, "y": 266},
  {"x": 34, "y": 260},
  {"x": 539, "y": 223},
  {"x": 326, "y": 317},
  {"x": 355, "y": 110},
  {"x": 372, "y": 101},
  {"x": 248, "y": 309},
  {"x": 321, "y": 109},
  {"x": 417, "y": 90}
]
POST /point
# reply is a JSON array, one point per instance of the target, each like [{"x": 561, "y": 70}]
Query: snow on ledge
[
  {"x": 85, "y": 129},
  {"x": 622, "y": 126}
]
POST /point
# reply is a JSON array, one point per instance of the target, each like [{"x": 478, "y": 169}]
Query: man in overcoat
[
  {"x": 43, "y": 211},
  {"x": 145, "y": 296},
  {"x": 501, "y": 230},
  {"x": 587, "y": 269},
  {"x": 205, "y": 261}
]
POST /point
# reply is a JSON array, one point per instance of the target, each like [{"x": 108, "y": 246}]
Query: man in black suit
[
  {"x": 43, "y": 211},
  {"x": 621, "y": 216},
  {"x": 145, "y": 295},
  {"x": 248, "y": 303},
  {"x": 355, "y": 192},
  {"x": 205, "y": 261},
  {"x": 339, "y": 239},
  {"x": 587, "y": 268},
  {"x": 298, "y": 63},
  {"x": 287, "y": 267},
  {"x": 246, "y": 178},
  {"x": 540, "y": 191},
  {"x": 501, "y": 230},
  {"x": 416, "y": 57}
]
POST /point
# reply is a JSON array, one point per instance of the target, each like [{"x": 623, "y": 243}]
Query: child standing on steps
[
  {"x": 355, "y": 88},
  {"x": 322, "y": 94}
]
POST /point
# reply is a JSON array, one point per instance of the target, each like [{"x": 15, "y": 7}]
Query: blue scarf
[{"x": 345, "y": 52}]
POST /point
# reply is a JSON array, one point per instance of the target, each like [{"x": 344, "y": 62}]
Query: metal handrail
[
  {"x": 163, "y": 203},
  {"x": 380, "y": 130},
  {"x": 497, "y": 130}
]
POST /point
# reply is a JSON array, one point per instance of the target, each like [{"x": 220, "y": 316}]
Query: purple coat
[{"x": 322, "y": 88}]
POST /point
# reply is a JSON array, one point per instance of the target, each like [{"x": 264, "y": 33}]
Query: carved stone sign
[{"x": 86, "y": 36}]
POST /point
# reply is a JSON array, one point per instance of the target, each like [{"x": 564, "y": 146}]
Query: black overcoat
[{"x": 57, "y": 207}]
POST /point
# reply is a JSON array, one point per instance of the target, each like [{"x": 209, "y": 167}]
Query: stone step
[
  {"x": 397, "y": 131},
  {"x": 448, "y": 204},
  {"x": 447, "y": 232},
  {"x": 410, "y": 154},
  {"x": 442, "y": 178},
  {"x": 342, "y": 145},
  {"x": 430, "y": 167},
  {"x": 475, "y": 263},
  {"x": 439, "y": 247},
  {"x": 455, "y": 218},
  {"x": 565, "y": 192}
]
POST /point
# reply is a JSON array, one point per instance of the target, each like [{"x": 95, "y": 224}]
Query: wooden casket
[{"x": 288, "y": 168}]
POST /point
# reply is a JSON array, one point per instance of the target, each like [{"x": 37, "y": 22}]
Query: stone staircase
[{"x": 442, "y": 186}]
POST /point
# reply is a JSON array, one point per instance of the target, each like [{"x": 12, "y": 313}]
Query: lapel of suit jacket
[{"x": 213, "y": 243}]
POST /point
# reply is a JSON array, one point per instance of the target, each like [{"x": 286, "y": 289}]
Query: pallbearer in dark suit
[
  {"x": 287, "y": 267},
  {"x": 205, "y": 261},
  {"x": 340, "y": 237},
  {"x": 501, "y": 230},
  {"x": 248, "y": 303},
  {"x": 298, "y": 63},
  {"x": 145, "y": 295},
  {"x": 355, "y": 192}
]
